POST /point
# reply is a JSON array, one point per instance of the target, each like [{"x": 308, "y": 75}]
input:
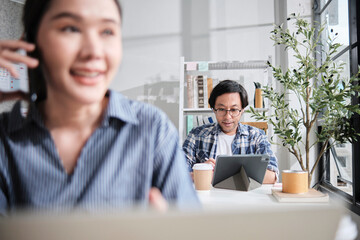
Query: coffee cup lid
[{"x": 202, "y": 166}]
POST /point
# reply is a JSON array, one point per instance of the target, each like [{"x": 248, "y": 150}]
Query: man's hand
[
  {"x": 211, "y": 161},
  {"x": 270, "y": 177}
]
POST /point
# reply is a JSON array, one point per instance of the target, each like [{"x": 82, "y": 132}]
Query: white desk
[
  {"x": 261, "y": 198},
  {"x": 229, "y": 217},
  {"x": 218, "y": 198}
]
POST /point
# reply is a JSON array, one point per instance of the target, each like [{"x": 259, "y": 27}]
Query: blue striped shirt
[
  {"x": 202, "y": 141},
  {"x": 135, "y": 148}
]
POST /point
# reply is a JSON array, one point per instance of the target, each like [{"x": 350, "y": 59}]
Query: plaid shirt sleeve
[
  {"x": 254, "y": 141},
  {"x": 264, "y": 147},
  {"x": 197, "y": 146},
  {"x": 189, "y": 148},
  {"x": 248, "y": 140}
]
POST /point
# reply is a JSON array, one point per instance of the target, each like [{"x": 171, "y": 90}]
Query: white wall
[
  {"x": 157, "y": 32},
  {"x": 304, "y": 8}
]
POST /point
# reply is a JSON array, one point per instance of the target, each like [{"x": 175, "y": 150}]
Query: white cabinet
[{"x": 246, "y": 73}]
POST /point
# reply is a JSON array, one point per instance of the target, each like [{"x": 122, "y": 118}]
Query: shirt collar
[
  {"x": 241, "y": 129},
  {"x": 121, "y": 108},
  {"x": 216, "y": 129}
]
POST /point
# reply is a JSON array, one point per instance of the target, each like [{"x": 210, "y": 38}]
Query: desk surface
[
  {"x": 218, "y": 198},
  {"x": 224, "y": 199},
  {"x": 238, "y": 222}
]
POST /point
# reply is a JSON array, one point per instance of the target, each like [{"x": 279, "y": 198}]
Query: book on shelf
[
  {"x": 189, "y": 123},
  {"x": 206, "y": 120},
  {"x": 190, "y": 91},
  {"x": 193, "y": 121},
  {"x": 209, "y": 87},
  {"x": 205, "y": 92},
  {"x": 200, "y": 84},
  {"x": 198, "y": 91},
  {"x": 312, "y": 196},
  {"x": 200, "y": 120}
]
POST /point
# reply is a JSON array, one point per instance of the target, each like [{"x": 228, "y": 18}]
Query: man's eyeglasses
[{"x": 221, "y": 112}]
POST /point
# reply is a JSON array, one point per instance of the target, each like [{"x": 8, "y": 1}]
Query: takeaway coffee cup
[
  {"x": 294, "y": 181},
  {"x": 203, "y": 174}
]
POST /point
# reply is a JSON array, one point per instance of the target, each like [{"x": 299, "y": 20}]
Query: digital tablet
[{"x": 254, "y": 165}]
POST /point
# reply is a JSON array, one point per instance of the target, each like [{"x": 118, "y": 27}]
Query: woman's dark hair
[
  {"x": 34, "y": 11},
  {"x": 228, "y": 86}
]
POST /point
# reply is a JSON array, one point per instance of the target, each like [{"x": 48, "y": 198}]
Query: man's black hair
[{"x": 229, "y": 86}]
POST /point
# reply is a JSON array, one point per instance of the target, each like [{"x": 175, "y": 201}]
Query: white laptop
[{"x": 284, "y": 222}]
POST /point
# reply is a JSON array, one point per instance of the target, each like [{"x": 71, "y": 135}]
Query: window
[{"x": 340, "y": 171}]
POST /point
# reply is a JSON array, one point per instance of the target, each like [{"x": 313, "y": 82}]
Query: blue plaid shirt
[{"x": 202, "y": 141}]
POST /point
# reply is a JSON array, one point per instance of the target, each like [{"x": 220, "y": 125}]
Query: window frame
[{"x": 351, "y": 202}]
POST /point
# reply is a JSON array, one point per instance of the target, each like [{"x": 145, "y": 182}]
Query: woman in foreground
[{"x": 82, "y": 145}]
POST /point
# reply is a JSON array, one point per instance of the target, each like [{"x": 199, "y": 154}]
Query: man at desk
[{"x": 228, "y": 136}]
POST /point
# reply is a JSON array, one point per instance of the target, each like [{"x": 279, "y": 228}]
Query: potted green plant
[{"x": 322, "y": 94}]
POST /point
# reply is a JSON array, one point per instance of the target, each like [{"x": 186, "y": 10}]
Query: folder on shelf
[
  {"x": 211, "y": 120},
  {"x": 203, "y": 66},
  {"x": 189, "y": 123},
  {"x": 191, "y": 66}
]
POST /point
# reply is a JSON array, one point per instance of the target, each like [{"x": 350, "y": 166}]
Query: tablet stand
[{"x": 239, "y": 181}]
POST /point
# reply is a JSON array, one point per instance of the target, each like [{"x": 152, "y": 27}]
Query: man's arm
[
  {"x": 272, "y": 172},
  {"x": 189, "y": 149}
]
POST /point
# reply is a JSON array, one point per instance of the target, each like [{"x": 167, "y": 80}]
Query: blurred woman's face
[{"x": 80, "y": 46}]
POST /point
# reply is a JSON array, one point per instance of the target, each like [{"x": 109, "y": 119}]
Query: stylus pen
[{"x": 213, "y": 165}]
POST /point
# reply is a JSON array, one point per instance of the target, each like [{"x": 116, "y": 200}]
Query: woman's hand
[
  {"x": 157, "y": 201},
  {"x": 8, "y": 56}
]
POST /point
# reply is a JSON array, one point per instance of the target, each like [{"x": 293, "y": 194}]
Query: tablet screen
[{"x": 254, "y": 165}]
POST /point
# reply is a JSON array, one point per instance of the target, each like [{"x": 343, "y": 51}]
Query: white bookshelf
[{"x": 213, "y": 66}]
